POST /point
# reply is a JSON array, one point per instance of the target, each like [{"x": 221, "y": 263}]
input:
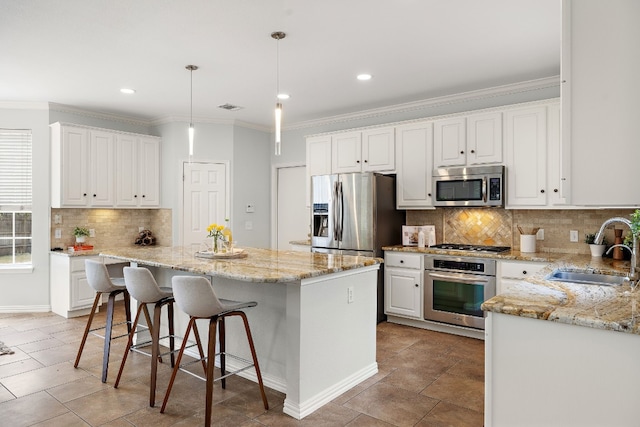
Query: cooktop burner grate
[{"x": 471, "y": 248}]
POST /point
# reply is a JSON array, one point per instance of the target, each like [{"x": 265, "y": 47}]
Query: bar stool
[
  {"x": 196, "y": 297},
  {"x": 98, "y": 278},
  {"x": 144, "y": 289}
]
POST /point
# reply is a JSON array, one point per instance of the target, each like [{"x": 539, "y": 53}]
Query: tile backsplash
[
  {"x": 113, "y": 227},
  {"x": 500, "y": 226}
]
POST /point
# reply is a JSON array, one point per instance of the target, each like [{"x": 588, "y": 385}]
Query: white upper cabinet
[
  {"x": 484, "y": 138},
  {"x": 414, "y": 154},
  {"x": 101, "y": 168},
  {"x": 138, "y": 178},
  {"x": 378, "y": 150},
  {"x": 70, "y": 165},
  {"x": 346, "y": 152},
  {"x": 371, "y": 150},
  {"x": 526, "y": 145},
  {"x": 557, "y": 159},
  {"x": 449, "y": 147},
  {"x": 318, "y": 159},
  {"x": 600, "y": 108},
  {"x": 469, "y": 140},
  {"x": 93, "y": 167}
]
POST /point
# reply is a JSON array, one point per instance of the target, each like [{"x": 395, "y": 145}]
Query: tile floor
[{"x": 425, "y": 379}]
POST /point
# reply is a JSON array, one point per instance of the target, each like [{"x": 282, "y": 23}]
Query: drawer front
[
  {"x": 520, "y": 270},
  {"x": 404, "y": 260}
]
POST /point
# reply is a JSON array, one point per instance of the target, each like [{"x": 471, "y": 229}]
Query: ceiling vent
[{"x": 230, "y": 107}]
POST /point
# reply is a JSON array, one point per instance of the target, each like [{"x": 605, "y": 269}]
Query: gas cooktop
[{"x": 471, "y": 248}]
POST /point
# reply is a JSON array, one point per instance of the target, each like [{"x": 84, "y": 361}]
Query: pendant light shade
[
  {"x": 191, "y": 69},
  {"x": 278, "y": 35}
]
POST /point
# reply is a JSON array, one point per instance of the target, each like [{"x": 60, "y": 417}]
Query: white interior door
[
  {"x": 293, "y": 215},
  {"x": 205, "y": 200}
]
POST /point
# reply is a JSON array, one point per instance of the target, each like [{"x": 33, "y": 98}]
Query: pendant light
[
  {"x": 191, "y": 69},
  {"x": 278, "y": 35}
]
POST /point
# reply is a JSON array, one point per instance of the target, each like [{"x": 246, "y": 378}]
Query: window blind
[{"x": 15, "y": 170}]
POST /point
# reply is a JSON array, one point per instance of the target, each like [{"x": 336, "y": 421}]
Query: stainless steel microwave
[{"x": 475, "y": 186}]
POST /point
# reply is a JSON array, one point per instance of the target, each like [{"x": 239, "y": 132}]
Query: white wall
[
  {"x": 251, "y": 184},
  {"x": 30, "y": 291}
]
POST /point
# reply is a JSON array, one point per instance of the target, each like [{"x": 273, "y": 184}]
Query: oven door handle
[{"x": 459, "y": 277}]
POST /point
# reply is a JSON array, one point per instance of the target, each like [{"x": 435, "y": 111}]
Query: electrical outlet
[
  {"x": 248, "y": 225},
  {"x": 573, "y": 235},
  {"x": 92, "y": 232},
  {"x": 140, "y": 229},
  {"x": 250, "y": 208},
  {"x": 57, "y": 219},
  {"x": 349, "y": 294},
  {"x": 540, "y": 234},
  {"x": 58, "y": 233}
]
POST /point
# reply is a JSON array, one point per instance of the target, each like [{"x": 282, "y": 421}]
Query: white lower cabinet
[
  {"x": 71, "y": 295},
  {"x": 512, "y": 272},
  {"x": 403, "y": 281}
]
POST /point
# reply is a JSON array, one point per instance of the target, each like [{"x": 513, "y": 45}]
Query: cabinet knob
[
  {"x": 542, "y": 191},
  {"x": 94, "y": 195},
  {"x": 143, "y": 196},
  {"x": 366, "y": 161},
  {"x": 357, "y": 161},
  {"x": 555, "y": 190},
  {"x": 524, "y": 272},
  {"x": 461, "y": 152},
  {"x": 473, "y": 151},
  {"x": 417, "y": 285},
  {"x": 135, "y": 196},
  {"x": 84, "y": 194},
  {"x": 429, "y": 194},
  {"x": 401, "y": 261}
]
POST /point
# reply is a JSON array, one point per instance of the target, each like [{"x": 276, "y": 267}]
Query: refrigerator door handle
[
  {"x": 335, "y": 213},
  {"x": 341, "y": 208}
]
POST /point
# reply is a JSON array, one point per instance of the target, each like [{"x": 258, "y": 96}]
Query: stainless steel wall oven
[{"x": 456, "y": 287}]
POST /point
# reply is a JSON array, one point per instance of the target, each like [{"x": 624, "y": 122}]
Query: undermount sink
[{"x": 585, "y": 277}]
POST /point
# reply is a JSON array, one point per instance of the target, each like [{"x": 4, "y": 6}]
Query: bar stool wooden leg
[
  {"x": 107, "y": 335},
  {"x": 211, "y": 355},
  {"x": 253, "y": 355},
  {"x": 141, "y": 308},
  {"x": 172, "y": 341},
  {"x": 199, "y": 343},
  {"x": 155, "y": 352},
  {"x": 96, "y": 301},
  {"x": 176, "y": 368},
  {"x": 223, "y": 347}
]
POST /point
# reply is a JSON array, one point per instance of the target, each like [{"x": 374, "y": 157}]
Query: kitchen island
[
  {"x": 315, "y": 324},
  {"x": 563, "y": 354}
]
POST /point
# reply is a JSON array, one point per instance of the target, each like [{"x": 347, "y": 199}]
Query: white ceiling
[{"x": 81, "y": 52}]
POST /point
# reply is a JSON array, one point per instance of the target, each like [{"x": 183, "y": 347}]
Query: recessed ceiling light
[
  {"x": 127, "y": 91},
  {"x": 364, "y": 76},
  {"x": 283, "y": 96}
]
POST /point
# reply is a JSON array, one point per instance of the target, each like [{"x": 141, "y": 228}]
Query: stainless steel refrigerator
[{"x": 355, "y": 214}]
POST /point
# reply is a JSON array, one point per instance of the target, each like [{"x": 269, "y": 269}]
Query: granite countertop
[
  {"x": 260, "y": 265},
  {"x": 506, "y": 255},
  {"x": 615, "y": 308}
]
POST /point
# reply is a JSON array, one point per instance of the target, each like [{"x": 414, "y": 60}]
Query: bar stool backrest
[
  {"x": 196, "y": 297},
  {"x": 98, "y": 276},
  {"x": 141, "y": 285}
]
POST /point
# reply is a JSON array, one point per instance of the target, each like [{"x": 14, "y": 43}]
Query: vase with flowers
[{"x": 215, "y": 232}]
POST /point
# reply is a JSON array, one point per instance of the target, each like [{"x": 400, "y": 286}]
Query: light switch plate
[{"x": 248, "y": 225}]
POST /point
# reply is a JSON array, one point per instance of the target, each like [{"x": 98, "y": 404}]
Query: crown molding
[
  {"x": 229, "y": 122},
  {"x": 527, "y": 86},
  {"x": 14, "y": 105},
  {"x": 99, "y": 115}
]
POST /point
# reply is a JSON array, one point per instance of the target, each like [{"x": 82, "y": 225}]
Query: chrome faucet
[{"x": 633, "y": 273}]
